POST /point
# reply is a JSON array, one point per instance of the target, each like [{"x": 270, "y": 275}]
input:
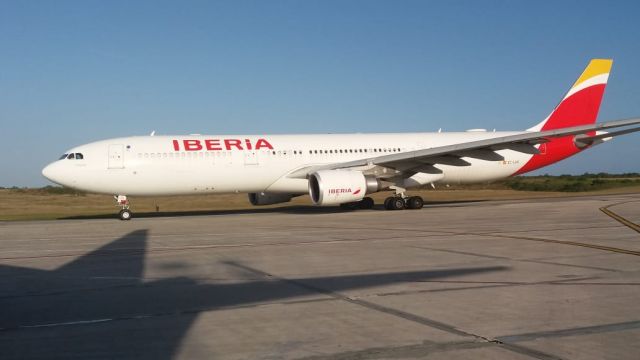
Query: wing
[{"x": 423, "y": 160}]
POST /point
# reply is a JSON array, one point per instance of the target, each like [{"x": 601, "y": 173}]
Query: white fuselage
[{"x": 174, "y": 165}]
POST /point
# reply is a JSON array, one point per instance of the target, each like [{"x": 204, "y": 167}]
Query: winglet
[{"x": 581, "y": 103}]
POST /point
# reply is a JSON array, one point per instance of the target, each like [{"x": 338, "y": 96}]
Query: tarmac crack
[
  {"x": 403, "y": 315},
  {"x": 586, "y": 330},
  {"x": 401, "y": 352}
]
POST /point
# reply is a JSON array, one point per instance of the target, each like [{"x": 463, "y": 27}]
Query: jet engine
[
  {"x": 332, "y": 187},
  {"x": 268, "y": 198}
]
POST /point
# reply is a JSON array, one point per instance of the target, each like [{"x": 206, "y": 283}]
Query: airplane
[{"x": 337, "y": 169}]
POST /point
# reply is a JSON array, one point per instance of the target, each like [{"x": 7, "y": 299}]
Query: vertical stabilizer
[{"x": 581, "y": 103}]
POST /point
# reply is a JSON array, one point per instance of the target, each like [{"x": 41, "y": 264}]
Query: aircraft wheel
[
  {"x": 366, "y": 203},
  {"x": 397, "y": 203},
  {"x": 415, "y": 202},
  {"x": 388, "y": 201},
  {"x": 125, "y": 214}
]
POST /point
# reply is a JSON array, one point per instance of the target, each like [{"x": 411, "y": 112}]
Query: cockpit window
[
  {"x": 64, "y": 156},
  {"x": 77, "y": 156}
]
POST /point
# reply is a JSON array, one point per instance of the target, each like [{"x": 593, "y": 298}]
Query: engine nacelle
[
  {"x": 333, "y": 187},
  {"x": 268, "y": 198}
]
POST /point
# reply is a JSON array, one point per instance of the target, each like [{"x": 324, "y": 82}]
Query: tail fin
[
  {"x": 578, "y": 107},
  {"x": 581, "y": 103}
]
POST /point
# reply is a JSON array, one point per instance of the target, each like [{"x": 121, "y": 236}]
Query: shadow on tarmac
[
  {"x": 101, "y": 305},
  {"x": 294, "y": 209}
]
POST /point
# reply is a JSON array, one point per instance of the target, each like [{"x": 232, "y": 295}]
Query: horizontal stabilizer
[{"x": 588, "y": 140}]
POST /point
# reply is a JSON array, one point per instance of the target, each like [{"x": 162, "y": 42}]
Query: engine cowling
[
  {"x": 333, "y": 187},
  {"x": 268, "y": 198}
]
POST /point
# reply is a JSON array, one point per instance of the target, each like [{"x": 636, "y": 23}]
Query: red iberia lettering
[
  {"x": 192, "y": 145},
  {"x": 212, "y": 144},
  {"x": 341, "y": 191},
  {"x": 220, "y": 144},
  {"x": 228, "y": 143},
  {"x": 262, "y": 143}
]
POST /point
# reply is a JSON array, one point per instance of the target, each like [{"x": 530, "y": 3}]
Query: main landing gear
[
  {"x": 125, "y": 213},
  {"x": 400, "y": 201}
]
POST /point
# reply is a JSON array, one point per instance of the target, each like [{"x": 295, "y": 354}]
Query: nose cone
[{"x": 53, "y": 173}]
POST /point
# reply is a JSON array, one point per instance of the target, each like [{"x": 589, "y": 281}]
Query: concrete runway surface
[{"x": 530, "y": 279}]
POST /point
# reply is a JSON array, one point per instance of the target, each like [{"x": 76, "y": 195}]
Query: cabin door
[{"x": 116, "y": 156}]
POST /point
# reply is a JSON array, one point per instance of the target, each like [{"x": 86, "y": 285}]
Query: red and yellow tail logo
[
  {"x": 581, "y": 104},
  {"x": 578, "y": 107}
]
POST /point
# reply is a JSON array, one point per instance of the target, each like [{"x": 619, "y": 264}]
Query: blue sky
[{"x": 72, "y": 72}]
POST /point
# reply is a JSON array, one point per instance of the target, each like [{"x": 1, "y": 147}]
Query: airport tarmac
[{"x": 528, "y": 279}]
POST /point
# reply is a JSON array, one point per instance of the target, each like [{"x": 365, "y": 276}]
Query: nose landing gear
[{"x": 125, "y": 213}]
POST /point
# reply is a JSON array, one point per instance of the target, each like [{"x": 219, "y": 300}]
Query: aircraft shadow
[
  {"x": 294, "y": 209},
  {"x": 100, "y": 304}
]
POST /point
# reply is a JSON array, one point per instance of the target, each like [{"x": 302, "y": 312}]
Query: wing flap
[{"x": 481, "y": 154}]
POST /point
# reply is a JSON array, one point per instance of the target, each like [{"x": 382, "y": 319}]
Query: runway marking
[
  {"x": 424, "y": 233},
  {"x": 182, "y": 312},
  {"x": 499, "y": 235},
  {"x": 620, "y": 219},
  {"x": 535, "y": 261},
  {"x": 138, "y": 251}
]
